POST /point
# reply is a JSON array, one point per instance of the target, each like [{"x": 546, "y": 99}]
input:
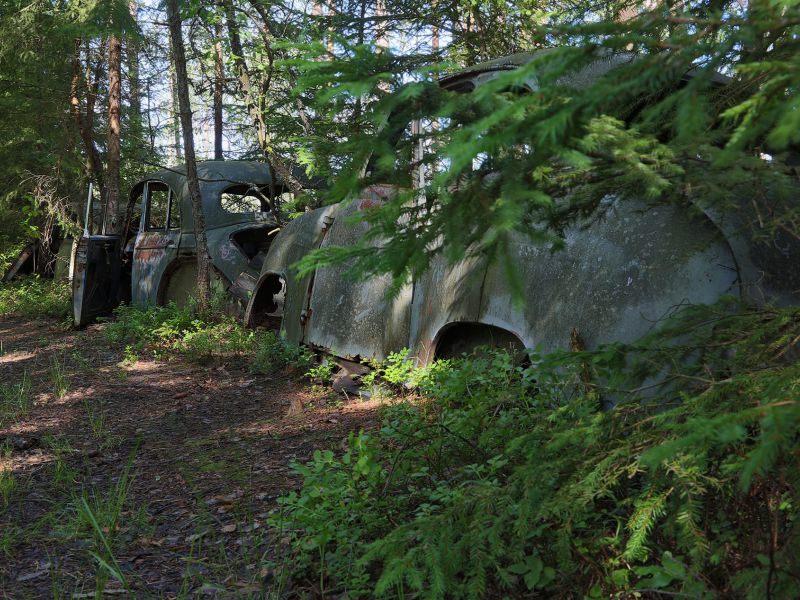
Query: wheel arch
[
  {"x": 459, "y": 337},
  {"x": 267, "y": 300}
]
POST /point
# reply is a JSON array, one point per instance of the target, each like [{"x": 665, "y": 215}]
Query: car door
[
  {"x": 356, "y": 319},
  {"x": 98, "y": 262},
  {"x": 95, "y": 284},
  {"x": 156, "y": 249}
]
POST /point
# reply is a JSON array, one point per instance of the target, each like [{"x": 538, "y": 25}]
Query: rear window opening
[
  {"x": 244, "y": 199},
  {"x": 254, "y": 243}
]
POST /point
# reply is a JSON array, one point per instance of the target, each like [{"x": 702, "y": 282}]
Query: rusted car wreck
[
  {"x": 612, "y": 282},
  {"x": 154, "y": 260}
]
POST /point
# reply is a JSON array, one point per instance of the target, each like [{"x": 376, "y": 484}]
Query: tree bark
[
  {"x": 219, "y": 79},
  {"x": 176, "y": 120},
  {"x": 112, "y": 219},
  {"x": 182, "y": 87},
  {"x": 136, "y": 132},
  {"x": 330, "y": 46},
  {"x": 94, "y": 164}
]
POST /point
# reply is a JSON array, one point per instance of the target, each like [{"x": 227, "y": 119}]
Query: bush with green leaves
[
  {"x": 272, "y": 353},
  {"x": 34, "y": 296},
  {"x": 501, "y": 480},
  {"x": 177, "y": 329},
  {"x": 167, "y": 330}
]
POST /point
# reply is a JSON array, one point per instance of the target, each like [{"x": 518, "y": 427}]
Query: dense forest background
[
  {"x": 487, "y": 477},
  {"x": 89, "y": 93},
  {"x": 90, "y": 90}
]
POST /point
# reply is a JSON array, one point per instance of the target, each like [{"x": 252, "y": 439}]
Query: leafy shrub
[
  {"x": 273, "y": 353},
  {"x": 153, "y": 327},
  {"x": 181, "y": 330},
  {"x": 396, "y": 371},
  {"x": 322, "y": 373},
  {"x": 501, "y": 481},
  {"x": 35, "y": 297}
]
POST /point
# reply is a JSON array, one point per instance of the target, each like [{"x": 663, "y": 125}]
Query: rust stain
[
  {"x": 150, "y": 254},
  {"x": 152, "y": 240},
  {"x": 375, "y": 195}
]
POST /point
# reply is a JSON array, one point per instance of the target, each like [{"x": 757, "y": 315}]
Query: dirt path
[{"x": 208, "y": 448}]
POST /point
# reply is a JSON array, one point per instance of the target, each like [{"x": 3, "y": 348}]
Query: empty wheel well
[
  {"x": 266, "y": 306},
  {"x": 460, "y": 338},
  {"x": 179, "y": 282}
]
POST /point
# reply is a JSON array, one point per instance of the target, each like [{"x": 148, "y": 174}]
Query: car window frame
[{"x": 171, "y": 197}]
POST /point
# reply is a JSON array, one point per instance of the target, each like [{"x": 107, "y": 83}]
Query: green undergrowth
[
  {"x": 34, "y": 296},
  {"x": 495, "y": 480},
  {"x": 162, "y": 332},
  {"x": 16, "y": 399},
  {"x": 104, "y": 521}
]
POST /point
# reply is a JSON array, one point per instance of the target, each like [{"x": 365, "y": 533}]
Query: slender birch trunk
[
  {"x": 182, "y": 88},
  {"x": 219, "y": 79}
]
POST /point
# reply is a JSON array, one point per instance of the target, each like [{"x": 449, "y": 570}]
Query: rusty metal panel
[
  {"x": 444, "y": 294},
  {"x": 356, "y": 318},
  {"x": 243, "y": 286},
  {"x": 153, "y": 255},
  {"x": 349, "y": 318},
  {"x": 292, "y": 243},
  {"x": 225, "y": 255},
  {"x": 614, "y": 281}
]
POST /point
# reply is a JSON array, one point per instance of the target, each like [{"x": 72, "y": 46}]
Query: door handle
[{"x": 170, "y": 244}]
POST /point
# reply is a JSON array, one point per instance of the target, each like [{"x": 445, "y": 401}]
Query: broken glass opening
[
  {"x": 158, "y": 205},
  {"x": 239, "y": 199}
]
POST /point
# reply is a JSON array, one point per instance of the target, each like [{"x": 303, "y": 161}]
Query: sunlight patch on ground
[{"x": 17, "y": 356}]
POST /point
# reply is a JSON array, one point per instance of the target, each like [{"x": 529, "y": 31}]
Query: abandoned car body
[
  {"x": 154, "y": 260},
  {"x": 612, "y": 282}
]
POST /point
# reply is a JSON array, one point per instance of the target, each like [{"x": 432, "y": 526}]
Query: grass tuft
[
  {"x": 59, "y": 377},
  {"x": 15, "y": 399}
]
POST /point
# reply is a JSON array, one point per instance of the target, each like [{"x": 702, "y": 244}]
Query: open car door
[{"x": 95, "y": 284}]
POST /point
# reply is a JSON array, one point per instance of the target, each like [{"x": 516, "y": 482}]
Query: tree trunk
[
  {"x": 219, "y": 78},
  {"x": 331, "y": 41},
  {"x": 136, "y": 132},
  {"x": 182, "y": 87},
  {"x": 176, "y": 120},
  {"x": 112, "y": 220},
  {"x": 93, "y": 165}
]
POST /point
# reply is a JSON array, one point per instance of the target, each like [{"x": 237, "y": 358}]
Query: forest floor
[{"x": 165, "y": 471}]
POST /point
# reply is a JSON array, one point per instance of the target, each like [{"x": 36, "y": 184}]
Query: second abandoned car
[{"x": 154, "y": 260}]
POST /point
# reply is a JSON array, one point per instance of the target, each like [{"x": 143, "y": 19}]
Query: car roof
[
  {"x": 504, "y": 63},
  {"x": 233, "y": 171},
  {"x": 606, "y": 59}
]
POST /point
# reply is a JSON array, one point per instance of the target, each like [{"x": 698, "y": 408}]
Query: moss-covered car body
[{"x": 613, "y": 281}]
